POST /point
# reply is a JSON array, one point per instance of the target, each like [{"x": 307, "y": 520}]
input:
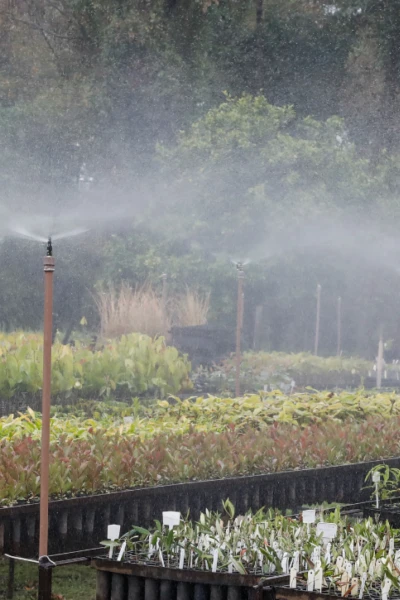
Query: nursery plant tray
[
  {"x": 386, "y": 512},
  {"x": 149, "y": 571}
]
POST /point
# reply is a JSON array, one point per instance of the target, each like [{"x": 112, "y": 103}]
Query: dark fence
[
  {"x": 125, "y": 581},
  {"x": 82, "y": 522}
]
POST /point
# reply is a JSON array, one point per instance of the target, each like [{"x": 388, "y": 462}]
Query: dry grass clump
[
  {"x": 192, "y": 308},
  {"x": 129, "y": 310}
]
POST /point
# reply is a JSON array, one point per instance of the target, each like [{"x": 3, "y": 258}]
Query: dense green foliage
[
  {"x": 124, "y": 446},
  {"x": 92, "y": 458},
  {"x": 217, "y": 125},
  {"x": 287, "y": 372},
  {"x": 133, "y": 365}
]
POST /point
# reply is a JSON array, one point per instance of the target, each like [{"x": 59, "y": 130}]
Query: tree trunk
[{"x": 259, "y": 11}]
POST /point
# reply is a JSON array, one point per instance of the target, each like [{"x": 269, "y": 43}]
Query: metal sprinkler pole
[
  {"x": 44, "y": 563},
  {"x": 239, "y": 324},
  {"x": 339, "y": 326},
  {"x": 316, "y": 344}
]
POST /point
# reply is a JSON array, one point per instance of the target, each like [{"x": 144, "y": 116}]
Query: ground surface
[{"x": 69, "y": 583}]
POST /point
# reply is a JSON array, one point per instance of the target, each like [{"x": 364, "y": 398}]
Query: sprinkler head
[{"x": 49, "y": 248}]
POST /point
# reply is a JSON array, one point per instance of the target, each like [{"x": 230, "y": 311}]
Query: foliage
[
  {"x": 190, "y": 441},
  {"x": 287, "y": 169},
  {"x": 287, "y": 371},
  {"x": 267, "y": 543},
  {"x": 205, "y": 414},
  {"x": 389, "y": 482},
  {"x": 132, "y": 365}
]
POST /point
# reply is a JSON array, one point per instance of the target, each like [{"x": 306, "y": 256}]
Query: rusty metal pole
[
  {"x": 339, "y": 326},
  {"x": 239, "y": 324},
  {"x": 316, "y": 343},
  {"x": 48, "y": 263},
  {"x": 164, "y": 305}
]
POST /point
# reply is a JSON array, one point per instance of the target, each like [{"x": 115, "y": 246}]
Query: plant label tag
[
  {"x": 122, "y": 551},
  {"x": 285, "y": 563},
  {"x": 362, "y": 588},
  {"x": 328, "y": 531},
  {"x": 181, "y": 558},
  {"x": 345, "y": 583},
  {"x": 171, "y": 518},
  {"x": 308, "y": 516},
  {"x": 318, "y": 577},
  {"x": 310, "y": 581},
  {"x": 161, "y": 558},
  {"x": 349, "y": 568},
  {"x": 293, "y": 577},
  {"x": 391, "y": 546},
  {"x": 371, "y": 569},
  {"x": 296, "y": 560},
  {"x": 113, "y": 532},
  {"x": 354, "y": 587},
  {"x": 387, "y": 584},
  {"x": 339, "y": 565},
  {"x": 328, "y": 553},
  {"x": 215, "y": 560},
  {"x": 378, "y": 567}
]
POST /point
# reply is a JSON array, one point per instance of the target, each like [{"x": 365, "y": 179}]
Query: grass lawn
[{"x": 69, "y": 583}]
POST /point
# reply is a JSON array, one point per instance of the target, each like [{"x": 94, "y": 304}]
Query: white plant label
[
  {"x": 339, "y": 565},
  {"x": 372, "y": 566},
  {"x": 328, "y": 553},
  {"x": 113, "y": 532},
  {"x": 308, "y": 516},
  {"x": 296, "y": 560},
  {"x": 122, "y": 551},
  {"x": 161, "y": 558},
  {"x": 310, "y": 581},
  {"x": 362, "y": 588},
  {"x": 293, "y": 577},
  {"x": 354, "y": 587},
  {"x": 181, "y": 558},
  {"x": 215, "y": 560},
  {"x": 348, "y": 568},
  {"x": 387, "y": 584},
  {"x": 328, "y": 531},
  {"x": 285, "y": 563},
  {"x": 391, "y": 546},
  {"x": 345, "y": 583},
  {"x": 318, "y": 577}
]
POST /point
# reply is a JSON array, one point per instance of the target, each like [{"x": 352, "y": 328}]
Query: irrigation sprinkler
[
  {"x": 45, "y": 563},
  {"x": 316, "y": 343},
  {"x": 339, "y": 326},
  {"x": 239, "y": 325}
]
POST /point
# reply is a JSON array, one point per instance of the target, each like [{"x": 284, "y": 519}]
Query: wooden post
[
  {"x": 316, "y": 343},
  {"x": 379, "y": 366},
  {"x": 164, "y": 306},
  {"x": 339, "y": 326},
  {"x": 257, "y": 327},
  {"x": 239, "y": 323}
]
